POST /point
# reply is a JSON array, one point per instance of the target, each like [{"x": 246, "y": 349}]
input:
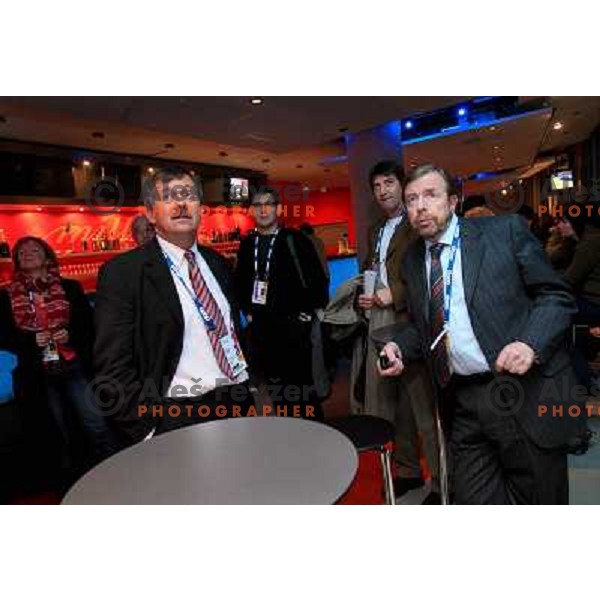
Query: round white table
[{"x": 254, "y": 460}]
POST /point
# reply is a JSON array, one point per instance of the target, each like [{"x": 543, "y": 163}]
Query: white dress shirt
[
  {"x": 197, "y": 364},
  {"x": 466, "y": 357},
  {"x": 386, "y": 237}
]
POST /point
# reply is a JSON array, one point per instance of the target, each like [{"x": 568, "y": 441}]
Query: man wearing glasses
[
  {"x": 167, "y": 350},
  {"x": 280, "y": 284}
]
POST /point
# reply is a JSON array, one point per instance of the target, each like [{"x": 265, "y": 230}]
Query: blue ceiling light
[
  {"x": 462, "y": 111},
  {"x": 408, "y": 125}
]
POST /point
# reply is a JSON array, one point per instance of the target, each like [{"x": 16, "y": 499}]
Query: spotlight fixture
[
  {"x": 256, "y": 101},
  {"x": 558, "y": 125}
]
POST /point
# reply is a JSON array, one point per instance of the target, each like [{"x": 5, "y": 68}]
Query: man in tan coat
[{"x": 406, "y": 402}]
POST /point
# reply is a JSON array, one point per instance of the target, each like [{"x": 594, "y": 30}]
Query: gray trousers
[{"x": 406, "y": 401}]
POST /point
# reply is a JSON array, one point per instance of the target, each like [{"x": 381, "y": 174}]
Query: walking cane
[{"x": 443, "y": 460}]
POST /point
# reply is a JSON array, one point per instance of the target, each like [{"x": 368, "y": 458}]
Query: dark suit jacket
[
  {"x": 512, "y": 293},
  {"x": 139, "y": 332},
  {"x": 402, "y": 238}
]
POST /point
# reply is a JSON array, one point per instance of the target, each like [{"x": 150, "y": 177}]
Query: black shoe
[
  {"x": 402, "y": 485},
  {"x": 432, "y": 498}
]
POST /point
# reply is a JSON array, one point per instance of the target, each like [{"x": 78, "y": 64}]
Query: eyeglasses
[
  {"x": 180, "y": 193},
  {"x": 269, "y": 204}
]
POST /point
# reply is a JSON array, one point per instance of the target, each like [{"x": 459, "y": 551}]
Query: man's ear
[
  {"x": 453, "y": 202},
  {"x": 150, "y": 214}
]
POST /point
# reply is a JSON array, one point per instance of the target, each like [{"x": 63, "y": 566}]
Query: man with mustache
[
  {"x": 492, "y": 318},
  {"x": 168, "y": 324}
]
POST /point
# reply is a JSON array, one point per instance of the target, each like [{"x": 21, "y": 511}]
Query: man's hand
[
  {"x": 42, "y": 338},
  {"x": 394, "y": 355},
  {"x": 365, "y": 301},
  {"x": 383, "y": 298},
  {"x": 515, "y": 358},
  {"x": 595, "y": 331},
  {"x": 61, "y": 336}
]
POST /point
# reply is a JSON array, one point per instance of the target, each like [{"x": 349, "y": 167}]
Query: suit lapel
[
  {"x": 419, "y": 278},
  {"x": 472, "y": 251},
  {"x": 160, "y": 277},
  {"x": 399, "y": 239}
]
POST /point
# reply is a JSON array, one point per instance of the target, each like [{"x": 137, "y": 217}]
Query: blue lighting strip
[{"x": 474, "y": 125}]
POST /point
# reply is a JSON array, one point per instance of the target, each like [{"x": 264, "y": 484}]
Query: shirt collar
[
  {"x": 175, "y": 253},
  {"x": 447, "y": 236}
]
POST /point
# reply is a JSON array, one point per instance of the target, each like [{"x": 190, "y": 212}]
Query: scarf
[{"x": 38, "y": 304}]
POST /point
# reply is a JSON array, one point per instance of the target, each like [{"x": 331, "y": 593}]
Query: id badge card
[
  {"x": 233, "y": 354},
  {"x": 259, "y": 293},
  {"x": 50, "y": 353}
]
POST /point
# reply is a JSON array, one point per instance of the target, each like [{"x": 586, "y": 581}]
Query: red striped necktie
[
  {"x": 212, "y": 310},
  {"x": 440, "y": 359}
]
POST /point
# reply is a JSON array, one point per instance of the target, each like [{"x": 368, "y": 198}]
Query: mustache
[{"x": 180, "y": 211}]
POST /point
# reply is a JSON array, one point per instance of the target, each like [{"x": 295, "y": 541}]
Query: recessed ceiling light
[
  {"x": 256, "y": 101},
  {"x": 504, "y": 192},
  {"x": 169, "y": 146},
  {"x": 266, "y": 160},
  {"x": 299, "y": 166},
  {"x": 222, "y": 153},
  {"x": 493, "y": 128},
  {"x": 39, "y": 209},
  {"x": 558, "y": 125},
  {"x": 86, "y": 163},
  {"x": 150, "y": 169},
  {"x": 98, "y": 134},
  {"x": 81, "y": 209}
]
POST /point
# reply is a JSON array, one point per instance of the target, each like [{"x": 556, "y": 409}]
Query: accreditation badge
[
  {"x": 259, "y": 292},
  {"x": 233, "y": 354}
]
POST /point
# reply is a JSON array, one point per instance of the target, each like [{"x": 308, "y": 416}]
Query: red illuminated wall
[
  {"x": 317, "y": 208},
  {"x": 66, "y": 227}
]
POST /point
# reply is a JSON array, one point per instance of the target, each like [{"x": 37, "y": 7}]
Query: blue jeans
[{"x": 85, "y": 433}]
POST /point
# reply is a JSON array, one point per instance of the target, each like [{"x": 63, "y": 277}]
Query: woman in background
[{"x": 46, "y": 321}]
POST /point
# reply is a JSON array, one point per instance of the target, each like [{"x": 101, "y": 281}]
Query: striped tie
[
  {"x": 441, "y": 365},
  {"x": 212, "y": 309}
]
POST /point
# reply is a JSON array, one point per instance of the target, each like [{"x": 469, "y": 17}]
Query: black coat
[
  {"x": 139, "y": 332},
  {"x": 289, "y": 293},
  {"x": 512, "y": 293}
]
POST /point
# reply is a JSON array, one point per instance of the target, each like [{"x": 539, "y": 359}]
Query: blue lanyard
[
  {"x": 208, "y": 320},
  {"x": 269, "y": 254},
  {"x": 449, "y": 275}
]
